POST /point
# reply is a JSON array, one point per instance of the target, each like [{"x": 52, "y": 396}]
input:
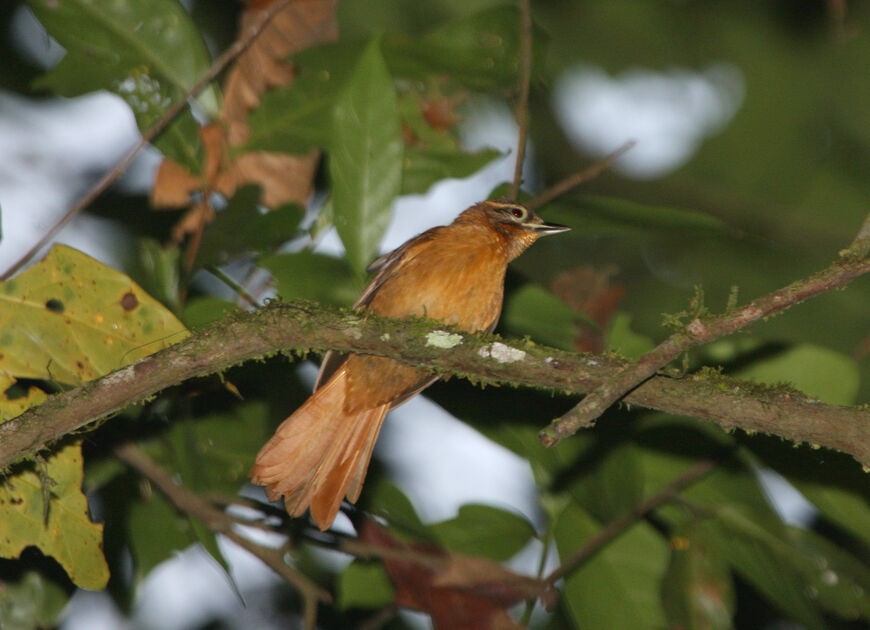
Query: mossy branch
[
  {"x": 852, "y": 263},
  {"x": 486, "y": 359}
]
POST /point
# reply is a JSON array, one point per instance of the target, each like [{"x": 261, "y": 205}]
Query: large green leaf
[
  {"x": 242, "y": 228},
  {"x": 148, "y": 52},
  {"x": 365, "y": 157},
  {"x": 309, "y": 276},
  {"x": 836, "y": 579},
  {"x": 767, "y": 561},
  {"x": 483, "y": 530},
  {"x": 697, "y": 590},
  {"x": 605, "y": 216},
  {"x": 424, "y": 166},
  {"x": 480, "y": 51},
  {"x": 364, "y": 585},
  {"x": 818, "y": 372},
  {"x": 618, "y": 587},
  {"x": 534, "y": 311},
  {"x": 296, "y": 118}
]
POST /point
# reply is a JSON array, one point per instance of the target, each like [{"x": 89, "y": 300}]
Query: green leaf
[
  {"x": 70, "y": 319},
  {"x": 242, "y": 228},
  {"x": 532, "y": 310},
  {"x": 620, "y": 217},
  {"x": 482, "y": 530},
  {"x": 364, "y": 585},
  {"x": 480, "y": 51},
  {"x": 212, "y": 453},
  {"x": 309, "y": 276},
  {"x": 625, "y": 341},
  {"x": 365, "y": 157},
  {"x": 767, "y": 561},
  {"x": 834, "y": 482},
  {"x": 839, "y": 581},
  {"x": 62, "y": 528},
  {"x": 155, "y": 532},
  {"x": 31, "y": 602},
  {"x": 201, "y": 311},
  {"x": 383, "y": 498},
  {"x": 618, "y": 587},
  {"x": 697, "y": 590},
  {"x": 158, "y": 268},
  {"x": 149, "y": 52},
  {"x": 819, "y": 372},
  {"x": 295, "y": 119},
  {"x": 615, "y": 486},
  {"x": 424, "y": 166}
]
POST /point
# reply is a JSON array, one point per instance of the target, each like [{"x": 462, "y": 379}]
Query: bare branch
[
  {"x": 522, "y": 108},
  {"x": 617, "y": 526},
  {"x": 220, "y": 523},
  {"x": 580, "y": 177}
]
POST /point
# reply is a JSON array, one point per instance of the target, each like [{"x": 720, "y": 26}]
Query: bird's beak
[{"x": 549, "y": 228}]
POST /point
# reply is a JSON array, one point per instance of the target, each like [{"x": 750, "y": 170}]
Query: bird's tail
[{"x": 319, "y": 454}]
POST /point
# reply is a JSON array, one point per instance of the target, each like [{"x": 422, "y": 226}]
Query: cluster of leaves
[{"x": 384, "y": 110}]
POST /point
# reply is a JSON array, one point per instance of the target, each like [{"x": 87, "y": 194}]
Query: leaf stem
[{"x": 617, "y": 526}]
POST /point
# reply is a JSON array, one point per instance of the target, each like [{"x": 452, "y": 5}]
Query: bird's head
[{"x": 518, "y": 226}]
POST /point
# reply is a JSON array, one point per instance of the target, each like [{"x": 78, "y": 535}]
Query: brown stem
[
  {"x": 487, "y": 359},
  {"x": 572, "y": 181},
  {"x": 522, "y": 109},
  {"x": 700, "y": 331},
  {"x": 220, "y": 523},
  {"x": 218, "y": 66},
  {"x": 617, "y": 526}
]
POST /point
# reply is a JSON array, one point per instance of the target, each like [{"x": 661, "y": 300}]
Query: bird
[{"x": 455, "y": 274}]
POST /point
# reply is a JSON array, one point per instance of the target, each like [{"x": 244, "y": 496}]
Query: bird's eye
[{"x": 519, "y": 213}]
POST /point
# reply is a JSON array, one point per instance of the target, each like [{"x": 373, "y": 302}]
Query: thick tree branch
[
  {"x": 851, "y": 264},
  {"x": 301, "y": 327}
]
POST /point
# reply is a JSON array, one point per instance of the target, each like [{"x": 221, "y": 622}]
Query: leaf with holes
[
  {"x": 70, "y": 319},
  {"x": 45, "y": 507}
]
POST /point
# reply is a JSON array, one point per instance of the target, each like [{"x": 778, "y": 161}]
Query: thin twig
[
  {"x": 219, "y": 64},
  {"x": 217, "y": 521},
  {"x": 572, "y": 181},
  {"x": 617, "y": 526},
  {"x": 522, "y": 108},
  {"x": 850, "y": 265}
]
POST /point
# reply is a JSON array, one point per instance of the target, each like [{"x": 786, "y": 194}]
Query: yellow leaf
[
  {"x": 67, "y": 534},
  {"x": 70, "y": 319},
  {"x": 67, "y": 319}
]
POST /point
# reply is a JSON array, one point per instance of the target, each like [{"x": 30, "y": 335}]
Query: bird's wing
[{"x": 384, "y": 268}]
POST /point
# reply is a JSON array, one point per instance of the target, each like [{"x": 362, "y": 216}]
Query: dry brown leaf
[
  {"x": 283, "y": 178},
  {"x": 463, "y": 593},
  {"x": 590, "y": 291},
  {"x": 264, "y": 64},
  {"x": 173, "y": 186}
]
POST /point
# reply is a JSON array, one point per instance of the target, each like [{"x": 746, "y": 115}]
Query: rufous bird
[{"x": 452, "y": 273}]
